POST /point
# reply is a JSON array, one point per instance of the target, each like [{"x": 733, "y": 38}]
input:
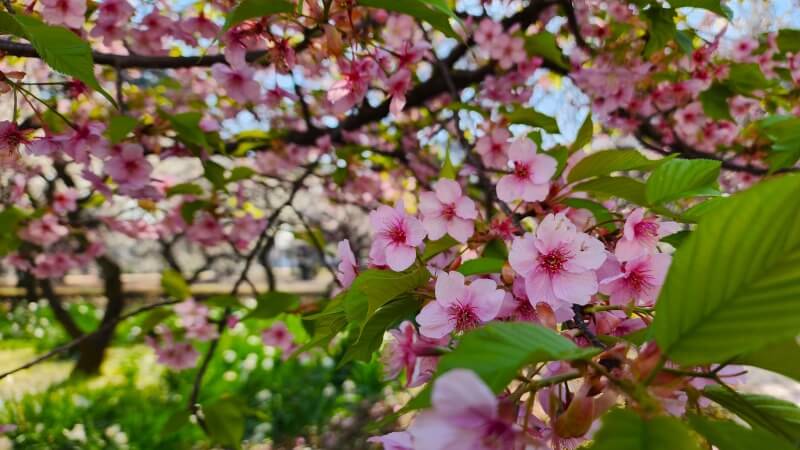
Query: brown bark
[{"x": 93, "y": 349}]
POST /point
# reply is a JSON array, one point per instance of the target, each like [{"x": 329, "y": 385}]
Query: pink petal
[
  {"x": 523, "y": 254},
  {"x": 434, "y": 321},
  {"x": 429, "y": 204},
  {"x": 575, "y": 287},
  {"x": 435, "y": 226},
  {"x": 460, "y": 394},
  {"x": 535, "y": 192},
  {"x": 450, "y": 288},
  {"x": 465, "y": 208},
  {"x": 448, "y": 191},
  {"x": 460, "y": 229},
  {"x": 400, "y": 257},
  {"x": 522, "y": 149},
  {"x": 544, "y": 167},
  {"x": 510, "y": 188}
]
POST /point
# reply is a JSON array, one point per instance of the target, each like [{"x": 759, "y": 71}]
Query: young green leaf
[
  {"x": 174, "y": 285},
  {"x": 481, "y": 266},
  {"x": 272, "y": 303},
  {"x": 622, "y": 187},
  {"x": 531, "y": 117},
  {"x": 733, "y": 285},
  {"x": 680, "y": 178},
  {"x": 251, "y": 9},
  {"x": 779, "y": 417},
  {"x": 728, "y": 435},
  {"x": 62, "y": 50},
  {"x": 623, "y": 429},
  {"x": 608, "y": 161}
]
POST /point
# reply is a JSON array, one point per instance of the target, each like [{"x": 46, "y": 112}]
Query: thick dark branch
[{"x": 150, "y": 62}]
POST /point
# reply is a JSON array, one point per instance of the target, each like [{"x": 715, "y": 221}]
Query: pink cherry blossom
[
  {"x": 238, "y": 82},
  {"x": 11, "y": 137},
  {"x": 637, "y": 280},
  {"x": 459, "y": 306},
  {"x": 114, "y": 11},
  {"x": 129, "y": 168},
  {"x": 641, "y": 235},
  {"x": 445, "y": 210},
  {"x": 69, "y": 13},
  {"x": 408, "y": 350},
  {"x": 558, "y": 263},
  {"x": 464, "y": 415},
  {"x": 53, "y": 265},
  {"x": 397, "y": 86},
  {"x": 65, "y": 201},
  {"x": 398, "y": 440},
  {"x": 206, "y": 230},
  {"x": 191, "y": 313},
  {"x": 348, "y": 266},
  {"x": 348, "y": 91},
  {"x": 175, "y": 355},
  {"x": 245, "y": 230},
  {"x": 530, "y": 180},
  {"x": 278, "y": 335},
  {"x": 397, "y": 235},
  {"x": 44, "y": 231},
  {"x": 201, "y": 25},
  {"x": 492, "y": 148}
]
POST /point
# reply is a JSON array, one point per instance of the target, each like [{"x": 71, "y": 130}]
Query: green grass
[{"x": 307, "y": 397}]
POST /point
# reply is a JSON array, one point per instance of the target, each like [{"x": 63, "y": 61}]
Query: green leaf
[
  {"x": 185, "y": 189},
  {"x": 481, "y": 266},
  {"x": 789, "y": 40},
  {"x": 677, "y": 239},
  {"x": 373, "y": 288},
  {"x": 609, "y": 161},
  {"x": 714, "y": 6},
  {"x": 62, "y": 50},
  {"x": 623, "y": 429},
  {"x": 746, "y": 77},
  {"x": 715, "y": 101},
  {"x": 661, "y": 30},
  {"x": 225, "y": 421},
  {"x": 214, "y": 173},
  {"x": 241, "y": 173},
  {"x": 424, "y": 10},
  {"x": 187, "y": 127},
  {"x": 174, "y": 285},
  {"x": 679, "y": 178},
  {"x": 585, "y": 134},
  {"x": 781, "y": 357},
  {"x": 622, "y": 187},
  {"x": 10, "y": 220},
  {"x": 780, "y": 417},
  {"x": 175, "y": 422},
  {"x": 531, "y": 117},
  {"x": 371, "y": 336},
  {"x": 119, "y": 127},
  {"x": 497, "y": 351},
  {"x": 189, "y": 209},
  {"x": 684, "y": 41},
  {"x": 733, "y": 286},
  {"x": 154, "y": 318},
  {"x": 223, "y": 301},
  {"x": 544, "y": 44},
  {"x": 560, "y": 154},
  {"x": 433, "y": 248},
  {"x": 696, "y": 212},
  {"x": 728, "y": 435},
  {"x": 251, "y": 9},
  {"x": 8, "y": 25},
  {"x": 448, "y": 170},
  {"x": 601, "y": 213},
  {"x": 272, "y": 303},
  {"x": 495, "y": 249}
]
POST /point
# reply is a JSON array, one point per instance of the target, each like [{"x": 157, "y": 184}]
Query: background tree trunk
[{"x": 92, "y": 350}]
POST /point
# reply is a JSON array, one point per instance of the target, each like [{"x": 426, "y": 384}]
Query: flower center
[
  {"x": 131, "y": 165},
  {"x": 449, "y": 211},
  {"x": 521, "y": 170},
  {"x": 553, "y": 262},
  {"x": 397, "y": 234},
  {"x": 646, "y": 228},
  {"x": 464, "y": 316},
  {"x": 639, "y": 280}
]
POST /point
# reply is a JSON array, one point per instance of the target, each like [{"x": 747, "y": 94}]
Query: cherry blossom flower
[
  {"x": 492, "y": 148},
  {"x": 129, "y": 168},
  {"x": 245, "y": 230},
  {"x": 52, "y": 265},
  {"x": 348, "y": 267},
  {"x": 637, "y": 280},
  {"x": 459, "y": 306},
  {"x": 397, "y": 235},
  {"x": 84, "y": 141},
  {"x": 398, "y": 440},
  {"x": 238, "y": 82},
  {"x": 175, "y": 355},
  {"x": 397, "y": 86},
  {"x": 114, "y": 11},
  {"x": 65, "y": 201},
  {"x": 445, "y": 210},
  {"x": 206, "y": 230},
  {"x": 11, "y": 137},
  {"x": 201, "y": 25},
  {"x": 641, "y": 235},
  {"x": 530, "y": 180},
  {"x": 408, "y": 350},
  {"x": 348, "y": 91},
  {"x": 464, "y": 415},
  {"x": 69, "y": 13},
  {"x": 44, "y": 231},
  {"x": 278, "y": 335},
  {"x": 558, "y": 263}
]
